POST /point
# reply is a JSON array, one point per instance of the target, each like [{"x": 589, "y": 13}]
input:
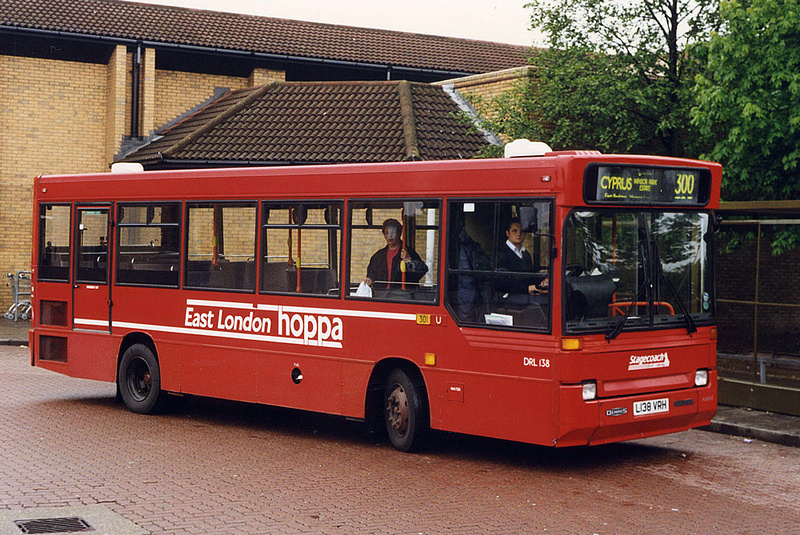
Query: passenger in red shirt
[{"x": 384, "y": 266}]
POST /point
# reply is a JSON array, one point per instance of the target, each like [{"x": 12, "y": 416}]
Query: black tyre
[
  {"x": 405, "y": 412},
  {"x": 139, "y": 380}
]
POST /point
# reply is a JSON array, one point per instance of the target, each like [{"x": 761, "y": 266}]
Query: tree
[
  {"x": 748, "y": 98},
  {"x": 614, "y": 76}
]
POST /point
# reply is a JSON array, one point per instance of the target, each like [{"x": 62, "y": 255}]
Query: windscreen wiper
[
  {"x": 645, "y": 254},
  {"x": 615, "y": 328},
  {"x": 691, "y": 327}
]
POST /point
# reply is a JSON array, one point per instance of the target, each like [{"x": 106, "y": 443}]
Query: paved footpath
[{"x": 68, "y": 450}]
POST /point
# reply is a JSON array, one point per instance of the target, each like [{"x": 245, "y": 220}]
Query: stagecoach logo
[{"x": 649, "y": 362}]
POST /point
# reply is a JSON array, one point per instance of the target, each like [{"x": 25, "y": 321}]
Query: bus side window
[
  {"x": 54, "y": 250},
  {"x": 498, "y": 263},
  {"x": 300, "y": 248},
  {"x": 221, "y": 246},
  {"x": 148, "y": 244},
  {"x": 394, "y": 249}
]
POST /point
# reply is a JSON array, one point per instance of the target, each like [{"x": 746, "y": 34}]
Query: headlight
[
  {"x": 589, "y": 390},
  {"x": 701, "y": 378}
]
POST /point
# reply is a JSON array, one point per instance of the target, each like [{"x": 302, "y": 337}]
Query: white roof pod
[
  {"x": 525, "y": 147},
  {"x": 127, "y": 167}
]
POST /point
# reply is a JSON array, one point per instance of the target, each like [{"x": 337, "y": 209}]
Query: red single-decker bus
[{"x": 563, "y": 299}]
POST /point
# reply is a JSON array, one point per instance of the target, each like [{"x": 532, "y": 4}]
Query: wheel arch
[
  {"x": 373, "y": 404},
  {"x": 132, "y": 339}
]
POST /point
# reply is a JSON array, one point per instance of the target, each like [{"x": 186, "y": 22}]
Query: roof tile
[
  {"x": 265, "y": 35},
  {"x": 316, "y": 122}
]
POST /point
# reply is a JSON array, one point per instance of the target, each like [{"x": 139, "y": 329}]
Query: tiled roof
[
  {"x": 263, "y": 35},
  {"x": 317, "y": 122}
]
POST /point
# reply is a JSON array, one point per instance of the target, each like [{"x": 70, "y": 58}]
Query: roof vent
[
  {"x": 525, "y": 147},
  {"x": 127, "y": 167}
]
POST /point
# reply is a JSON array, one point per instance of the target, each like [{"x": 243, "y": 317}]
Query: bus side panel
[
  {"x": 252, "y": 374},
  {"x": 80, "y": 355},
  {"x": 355, "y": 379},
  {"x": 303, "y": 381},
  {"x": 169, "y": 358},
  {"x": 494, "y": 384},
  {"x": 92, "y": 356},
  {"x": 143, "y": 311},
  {"x": 510, "y": 408},
  {"x": 209, "y": 368},
  {"x": 199, "y": 356}
]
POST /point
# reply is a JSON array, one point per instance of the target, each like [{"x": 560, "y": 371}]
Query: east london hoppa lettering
[{"x": 307, "y": 327}]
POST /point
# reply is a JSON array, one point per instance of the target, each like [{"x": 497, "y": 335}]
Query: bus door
[{"x": 91, "y": 298}]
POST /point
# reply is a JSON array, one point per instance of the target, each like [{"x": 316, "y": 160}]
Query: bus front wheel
[
  {"x": 139, "y": 379},
  {"x": 405, "y": 411}
]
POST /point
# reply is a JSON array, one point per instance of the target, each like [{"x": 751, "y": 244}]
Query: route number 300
[{"x": 684, "y": 184}]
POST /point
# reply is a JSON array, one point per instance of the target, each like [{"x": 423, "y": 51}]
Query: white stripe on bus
[{"x": 95, "y": 323}]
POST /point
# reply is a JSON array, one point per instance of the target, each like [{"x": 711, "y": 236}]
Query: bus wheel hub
[{"x": 397, "y": 410}]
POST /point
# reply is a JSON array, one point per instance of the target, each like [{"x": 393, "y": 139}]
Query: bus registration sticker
[{"x": 651, "y": 406}]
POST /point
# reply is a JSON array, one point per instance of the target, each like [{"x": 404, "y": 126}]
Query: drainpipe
[{"x": 137, "y": 68}]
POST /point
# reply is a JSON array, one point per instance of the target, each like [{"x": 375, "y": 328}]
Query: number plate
[{"x": 651, "y": 406}]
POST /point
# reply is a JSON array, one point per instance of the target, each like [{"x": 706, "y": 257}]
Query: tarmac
[{"x": 736, "y": 421}]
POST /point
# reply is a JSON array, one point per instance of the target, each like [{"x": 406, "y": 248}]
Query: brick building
[{"x": 80, "y": 79}]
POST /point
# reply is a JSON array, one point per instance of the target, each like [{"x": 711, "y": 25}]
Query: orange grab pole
[{"x": 402, "y": 245}]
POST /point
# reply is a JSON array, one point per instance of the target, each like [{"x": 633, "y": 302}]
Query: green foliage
[
  {"x": 614, "y": 76},
  {"x": 730, "y": 242},
  {"x": 748, "y": 98},
  {"x": 780, "y": 239},
  {"x": 785, "y": 239}
]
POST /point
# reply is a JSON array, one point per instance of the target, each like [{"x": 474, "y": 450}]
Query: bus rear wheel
[
  {"x": 405, "y": 412},
  {"x": 139, "y": 380}
]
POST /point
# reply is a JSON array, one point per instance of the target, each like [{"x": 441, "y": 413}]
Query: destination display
[{"x": 616, "y": 184}]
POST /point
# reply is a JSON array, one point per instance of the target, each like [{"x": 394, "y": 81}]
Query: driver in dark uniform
[{"x": 513, "y": 256}]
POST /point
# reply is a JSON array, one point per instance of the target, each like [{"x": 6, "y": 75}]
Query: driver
[{"x": 513, "y": 256}]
